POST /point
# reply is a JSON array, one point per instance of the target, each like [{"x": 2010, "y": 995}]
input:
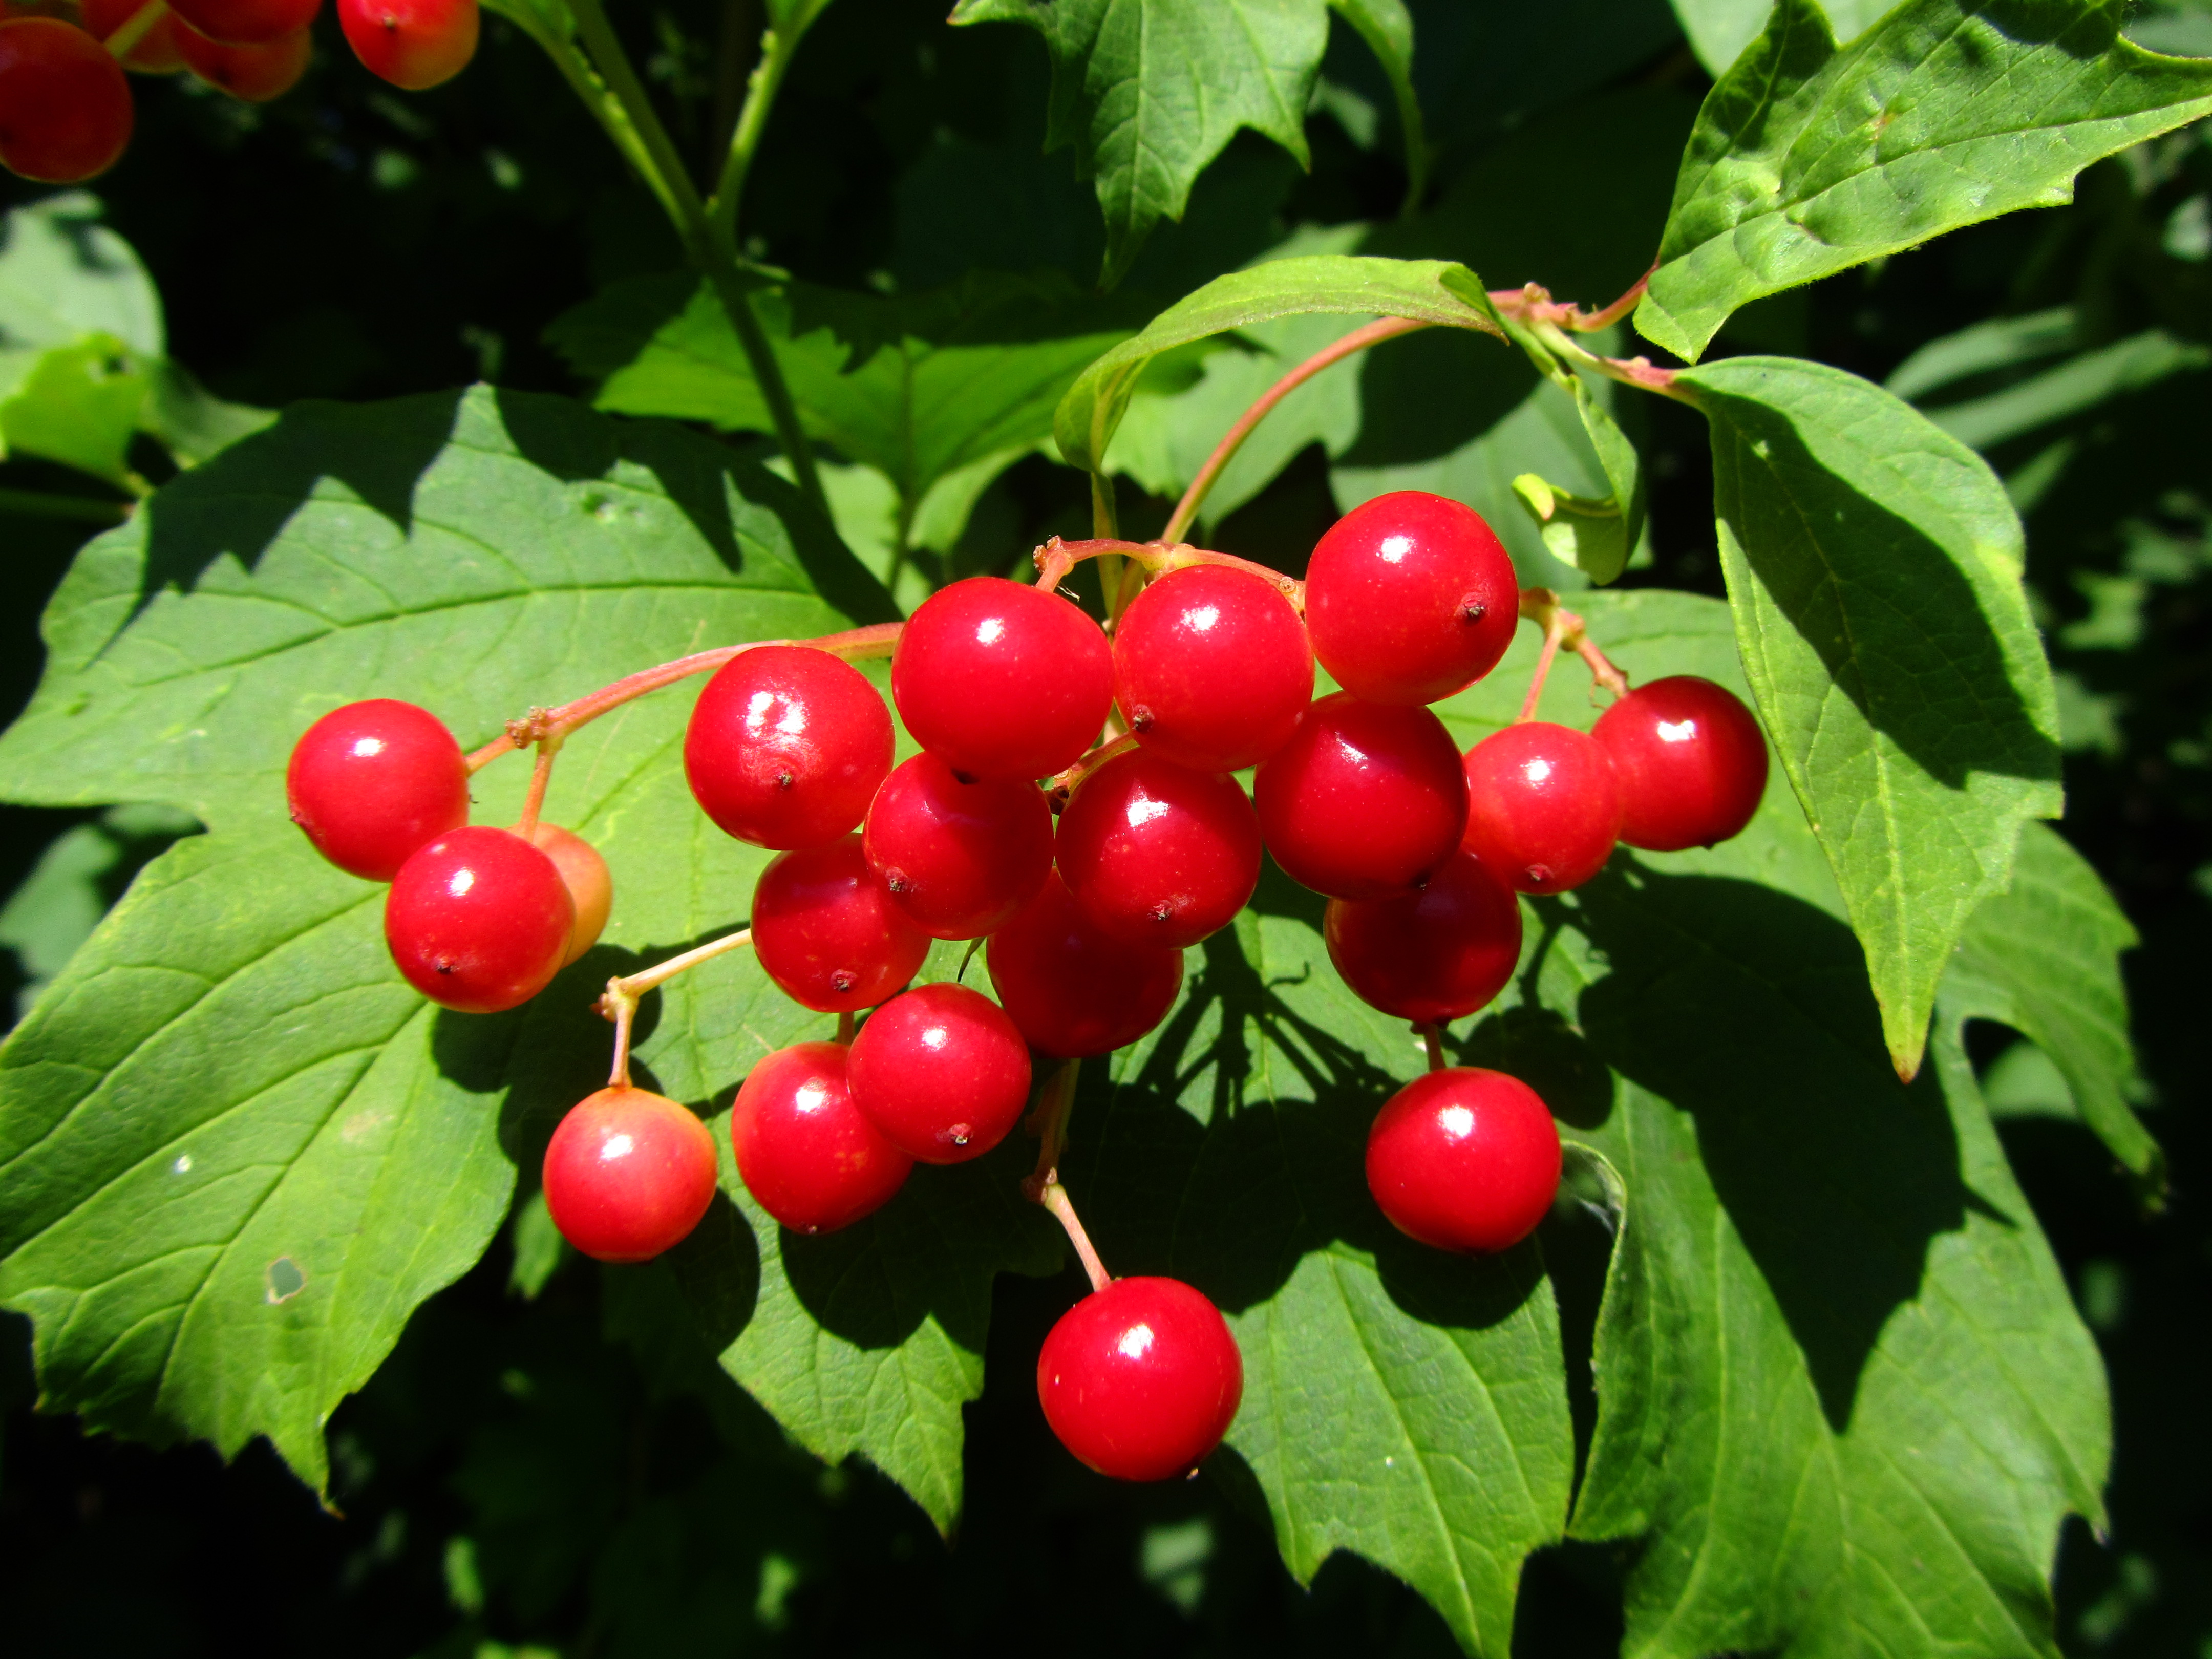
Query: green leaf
[
  {"x": 1809, "y": 160},
  {"x": 1719, "y": 30},
  {"x": 1604, "y": 562},
  {"x": 2082, "y": 383},
  {"x": 1398, "y": 1403},
  {"x": 1428, "y": 290},
  {"x": 2044, "y": 957},
  {"x": 76, "y": 403},
  {"x": 1843, "y": 1399},
  {"x": 1148, "y": 92},
  {"x": 235, "y": 1150},
  {"x": 1387, "y": 28},
  {"x": 64, "y": 275},
  {"x": 938, "y": 392},
  {"x": 1874, "y": 568}
]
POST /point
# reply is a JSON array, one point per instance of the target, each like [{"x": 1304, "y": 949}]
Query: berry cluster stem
[
  {"x": 1563, "y": 626},
  {"x": 540, "y": 725},
  {"x": 541, "y": 774},
  {"x": 135, "y": 29},
  {"x": 1054, "y": 1198},
  {"x": 1057, "y": 558},
  {"x": 1049, "y": 1123},
  {"x": 1433, "y": 1039},
  {"x": 624, "y": 992}
]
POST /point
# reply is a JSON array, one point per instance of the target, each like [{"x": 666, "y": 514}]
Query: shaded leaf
[
  {"x": 1808, "y": 159},
  {"x": 1148, "y": 92},
  {"x": 1874, "y": 568},
  {"x": 76, "y": 403},
  {"x": 1387, "y": 28},
  {"x": 2044, "y": 957}
]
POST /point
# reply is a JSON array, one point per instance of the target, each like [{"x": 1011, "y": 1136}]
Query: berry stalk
[
  {"x": 1563, "y": 626},
  {"x": 135, "y": 29},
  {"x": 1057, "y": 558},
  {"x": 1055, "y": 1101},
  {"x": 625, "y": 991}
]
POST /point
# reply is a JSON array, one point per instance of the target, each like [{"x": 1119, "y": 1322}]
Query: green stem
[
  {"x": 613, "y": 64},
  {"x": 767, "y": 373},
  {"x": 777, "y": 50},
  {"x": 86, "y": 510},
  {"x": 586, "y": 83}
]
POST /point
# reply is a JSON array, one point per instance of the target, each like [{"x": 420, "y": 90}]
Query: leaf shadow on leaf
[
  {"x": 701, "y": 478},
  {"x": 1913, "y": 650},
  {"x": 1748, "y": 1009},
  {"x": 239, "y": 501}
]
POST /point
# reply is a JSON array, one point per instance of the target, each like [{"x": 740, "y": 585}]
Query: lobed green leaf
[{"x": 1808, "y": 159}]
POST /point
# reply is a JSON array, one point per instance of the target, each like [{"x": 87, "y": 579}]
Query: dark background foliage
[{"x": 529, "y": 1474}]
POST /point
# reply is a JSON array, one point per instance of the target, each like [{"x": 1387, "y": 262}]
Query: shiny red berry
[
  {"x": 1432, "y": 956},
  {"x": 584, "y": 873},
  {"x": 958, "y": 858},
  {"x": 1211, "y": 668},
  {"x": 478, "y": 919},
  {"x": 629, "y": 1174},
  {"x": 1410, "y": 598},
  {"x": 1156, "y": 854},
  {"x": 1002, "y": 681},
  {"x": 1543, "y": 809},
  {"x": 252, "y": 73},
  {"x": 1142, "y": 1379},
  {"x": 786, "y": 747},
  {"x": 808, "y": 1156},
  {"x": 1364, "y": 800},
  {"x": 942, "y": 1072},
  {"x": 65, "y": 109},
  {"x": 1072, "y": 991},
  {"x": 826, "y": 931},
  {"x": 1690, "y": 761},
  {"x": 413, "y": 44},
  {"x": 1464, "y": 1159},
  {"x": 155, "y": 51},
  {"x": 372, "y": 782},
  {"x": 247, "y": 22}
]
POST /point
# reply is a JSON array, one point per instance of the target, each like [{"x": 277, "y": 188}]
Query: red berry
[
  {"x": 478, "y": 919},
  {"x": 1072, "y": 991},
  {"x": 65, "y": 110},
  {"x": 414, "y": 44},
  {"x": 1002, "y": 681},
  {"x": 1690, "y": 760},
  {"x": 1142, "y": 1379},
  {"x": 942, "y": 1072},
  {"x": 1464, "y": 1159},
  {"x": 372, "y": 782},
  {"x": 787, "y": 745},
  {"x": 958, "y": 858},
  {"x": 1364, "y": 800},
  {"x": 252, "y": 74},
  {"x": 1410, "y": 598},
  {"x": 1211, "y": 668},
  {"x": 1432, "y": 956},
  {"x": 247, "y": 22},
  {"x": 155, "y": 52},
  {"x": 1156, "y": 854},
  {"x": 1543, "y": 809},
  {"x": 806, "y": 1153},
  {"x": 584, "y": 873},
  {"x": 827, "y": 932},
  {"x": 629, "y": 1174}
]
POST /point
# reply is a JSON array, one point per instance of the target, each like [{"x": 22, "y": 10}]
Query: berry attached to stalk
[
  {"x": 478, "y": 919},
  {"x": 1141, "y": 1379},
  {"x": 1211, "y": 668},
  {"x": 1002, "y": 681},
  {"x": 629, "y": 1174},
  {"x": 372, "y": 782},
  {"x": 65, "y": 109},
  {"x": 828, "y": 933},
  {"x": 1155, "y": 854},
  {"x": 786, "y": 746},
  {"x": 1690, "y": 760},
  {"x": 1410, "y": 598},
  {"x": 1464, "y": 1159},
  {"x": 155, "y": 51},
  {"x": 252, "y": 73},
  {"x": 413, "y": 44},
  {"x": 806, "y": 1153},
  {"x": 1432, "y": 956},
  {"x": 1365, "y": 801},
  {"x": 942, "y": 1072},
  {"x": 1072, "y": 991},
  {"x": 1543, "y": 807},
  {"x": 958, "y": 858},
  {"x": 584, "y": 873},
  {"x": 245, "y": 22}
]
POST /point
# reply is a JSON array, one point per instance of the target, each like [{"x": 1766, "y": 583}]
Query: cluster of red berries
[
  {"x": 1360, "y": 795},
  {"x": 65, "y": 108}
]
